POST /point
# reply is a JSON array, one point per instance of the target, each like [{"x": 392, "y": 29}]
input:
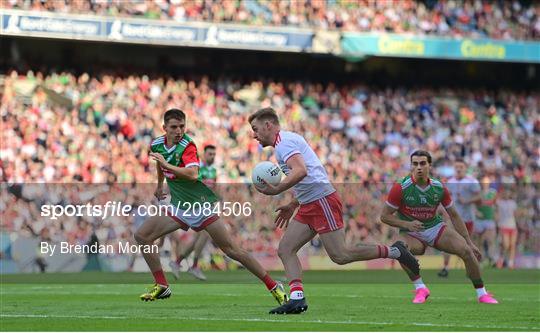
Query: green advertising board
[{"x": 391, "y": 45}]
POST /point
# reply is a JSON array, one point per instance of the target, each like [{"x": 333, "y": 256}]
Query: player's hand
[
  {"x": 285, "y": 213},
  {"x": 159, "y": 194},
  {"x": 415, "y": 226},
  {"x": 158, "y": 158},
  {"x": 267, "y": 188}
]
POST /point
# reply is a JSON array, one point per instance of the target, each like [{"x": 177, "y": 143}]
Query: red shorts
[
  {"x": 323, "y": 215},
  {"x": 510, "y": 232},
  {"x": 470, "y": 227}
]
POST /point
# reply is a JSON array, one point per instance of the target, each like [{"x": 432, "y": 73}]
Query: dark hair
[
  {"x": 209, "y": 147},
  {"x": 174, "y": 114},
  {"x": 422, "y": 153},
  {"x": 460, "y": 160},
  {"x": 265, "y": 114}
]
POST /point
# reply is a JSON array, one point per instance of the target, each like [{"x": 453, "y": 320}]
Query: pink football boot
[
  {"x": 487, "y": 298},
  {"x": 421, "y": 295}
]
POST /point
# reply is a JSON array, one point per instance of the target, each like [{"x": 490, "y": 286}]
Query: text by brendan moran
[{"x": 120, "y": 248}]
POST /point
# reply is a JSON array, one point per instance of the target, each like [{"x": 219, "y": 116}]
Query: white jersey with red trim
[
  {"x": 464, "y": 188},
  {"x": 315, "y": 185}
]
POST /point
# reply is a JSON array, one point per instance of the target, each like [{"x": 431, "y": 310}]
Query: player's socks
[
  {"x": 297, "y": 289},
  {"x": 391, "y": 252},
  {"x": 195, "y": 263},
  {"x": 159, "y": 278},
  {"x": 269, "y": 282},
  {"x": 418, "y": 283},
  {"x": 179, "y": 260},
  {"x": 479, "y": 286}
]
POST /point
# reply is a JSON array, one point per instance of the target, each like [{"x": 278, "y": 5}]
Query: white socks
[
  {"x": 393, "y": 252},
  {"x": 418, "y": 283},
  {"x": 298, "y": 294},
  {"x": 481, "y": 292}
]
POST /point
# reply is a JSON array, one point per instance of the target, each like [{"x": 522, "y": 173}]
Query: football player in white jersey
[
  {"x": 319, "y": 209},
  {"x": 467, "y": 192}
]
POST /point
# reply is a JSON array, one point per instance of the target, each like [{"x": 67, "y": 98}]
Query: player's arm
[
  {"x": 298, "y": 171},
  {"x": 391, "y": 206},
  {"x": 160, "y": 176},
  {"x": 191, "y": 169},
  {"x": 188, "y": 172}
]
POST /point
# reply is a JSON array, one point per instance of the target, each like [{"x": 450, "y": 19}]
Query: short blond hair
[{"x": 265, "y": 114}]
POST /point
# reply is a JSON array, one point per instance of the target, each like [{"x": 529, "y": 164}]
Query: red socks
[
  {"x": 269, "y": 282},
  {"x": 159, "y": 278},
  {"x": 297, "y": 289},
  {"x": 383, "y": 251}
]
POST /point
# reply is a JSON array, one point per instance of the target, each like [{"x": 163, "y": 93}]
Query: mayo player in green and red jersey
[
  {"x": 485, "y": 224},
  {"x": 412, "y": 206},
  {"x": 177, "y": 161},
  {"x": 208, "y": 175}
]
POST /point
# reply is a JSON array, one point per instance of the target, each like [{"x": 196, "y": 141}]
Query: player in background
[
  {"x": 485, "y": 224},
  {"x": 506, "y": 210},
  {"x": 319, "y": 209},
  {"x": 176, "y": 156},
  {"x": 412, "y": 206},
  {"x": 209, "y": 177},
  {"x": 465, "y": 190}
]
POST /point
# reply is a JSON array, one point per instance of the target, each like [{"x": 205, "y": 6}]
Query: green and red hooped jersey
[
  {"x": 415, "y": 203},
  {"x": 184, "y": 155}
]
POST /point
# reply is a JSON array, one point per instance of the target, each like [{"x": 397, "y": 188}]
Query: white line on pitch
[{"x": 350, "y": 322}]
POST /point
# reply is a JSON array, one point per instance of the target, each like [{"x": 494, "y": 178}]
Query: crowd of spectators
[
  {"x": 83, "y": 132},
  {"x": 453, "y": 18}
]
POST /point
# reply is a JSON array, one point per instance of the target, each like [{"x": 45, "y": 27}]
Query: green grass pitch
[{"x": 235, "y": 301}]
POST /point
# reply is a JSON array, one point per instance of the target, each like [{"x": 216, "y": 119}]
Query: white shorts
[
  {"x": 192, "y": 218},
  {"x": 429, "y": 236},
  {"x": 480, "y": 226}
]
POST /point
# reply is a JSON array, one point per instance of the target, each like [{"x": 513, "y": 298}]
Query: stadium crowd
[
  {"x": 470, "y": 18},
  {"x": 71, "y": 131}
]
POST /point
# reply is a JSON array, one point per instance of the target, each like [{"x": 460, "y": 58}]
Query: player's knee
[
  {"x": 284, "y": 251},
  {"x": 339, "y": 259},
  {"x": 142, "y": 238},
  {"x": 466, "y": 254}
]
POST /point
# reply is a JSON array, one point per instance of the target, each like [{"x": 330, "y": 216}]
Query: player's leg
[
  {"x": 452, "y": 242},
  {"x": 512, "y": 248},
  {"x": 417, "y": 247},
  {"x": 222, "y": 238},
  {"x": 446, "y": 262},
  {"x": 327, "y": 220},
  {"x": 489, "y": 240},
  {"x": 505, "y": 246},
  {"x": 296, "y": 235},
  {"x": 176, "y": 248},
  {"x": 341, "y": 254},
  {"x": 198, "y": 246},
  {"x": 446, "y": 257},
  {"x": 154, "y": 228}
]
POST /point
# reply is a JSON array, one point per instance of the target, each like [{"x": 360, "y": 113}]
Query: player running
[
  {"x": 415, "y": 199},
  {"x": 319, "y": 209},
  {"x": 209, "y": 177},
  {"x": 177, "y": 161},
  {"x": 466, "y": 191}
]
